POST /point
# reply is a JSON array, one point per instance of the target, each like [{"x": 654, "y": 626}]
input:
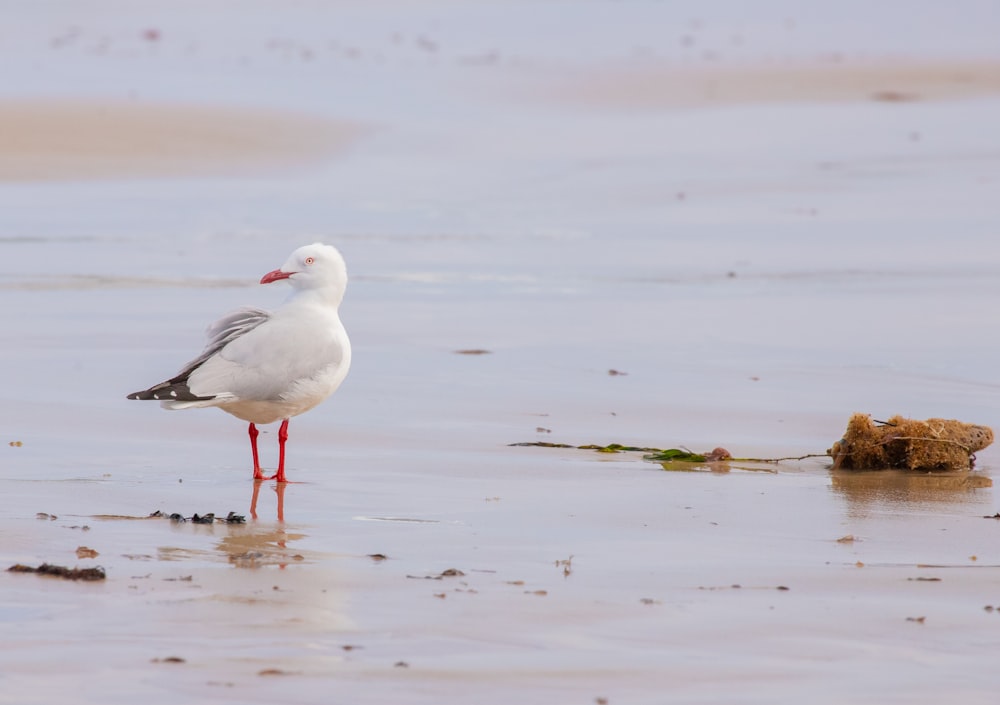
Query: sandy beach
[
  {"x": 675, "y": 228},
  {"x": 833, "y": 80},
  {"x": 75, "y": 140}
]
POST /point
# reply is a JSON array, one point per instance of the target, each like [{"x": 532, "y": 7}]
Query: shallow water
[{"x": 759, "y": 271}]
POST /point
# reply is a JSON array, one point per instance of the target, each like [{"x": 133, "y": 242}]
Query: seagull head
[{"x": 315, "y": 266}]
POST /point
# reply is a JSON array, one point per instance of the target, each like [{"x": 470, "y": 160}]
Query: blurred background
[{"x": 769, "y": 216}]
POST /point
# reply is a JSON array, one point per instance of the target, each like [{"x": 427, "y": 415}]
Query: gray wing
[
  {"x": 220, "y": 334},
  {"x": 226, "y": 330}
]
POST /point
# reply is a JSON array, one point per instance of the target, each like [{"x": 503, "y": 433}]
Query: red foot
[{"x": 279, "y": 476}]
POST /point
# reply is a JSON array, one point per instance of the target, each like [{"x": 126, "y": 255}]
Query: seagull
[{"x": 265, "y": 366}]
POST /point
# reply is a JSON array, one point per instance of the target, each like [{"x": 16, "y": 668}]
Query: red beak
[{"x": 274, "y": 276}]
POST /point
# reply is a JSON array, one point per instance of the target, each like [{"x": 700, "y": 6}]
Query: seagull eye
[{"x": 310, "y": 260}]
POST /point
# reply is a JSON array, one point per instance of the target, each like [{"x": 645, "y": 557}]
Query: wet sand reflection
[
  {"x": 279, "y": 490},
  {"x": 864, "y": 491}
]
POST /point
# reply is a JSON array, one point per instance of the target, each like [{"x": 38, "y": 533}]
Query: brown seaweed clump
[{"x": 907, "y": 444}]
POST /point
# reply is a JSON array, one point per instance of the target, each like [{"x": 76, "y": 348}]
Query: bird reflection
[
  {"x": 265, "y": 543},
  {"x": 279, "y": 489}
]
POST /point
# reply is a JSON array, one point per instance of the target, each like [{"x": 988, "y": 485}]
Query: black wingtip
[{"x": 168, "y": 391}]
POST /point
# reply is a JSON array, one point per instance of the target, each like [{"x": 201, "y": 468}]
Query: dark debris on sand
[
  {"x": 61, "y": 571},
  {"x": 209, "y": 518}
]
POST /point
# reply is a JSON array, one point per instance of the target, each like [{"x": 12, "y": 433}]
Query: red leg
[
  {"x": 282, "y": 437},
  {"x": 258, "y": 473}
]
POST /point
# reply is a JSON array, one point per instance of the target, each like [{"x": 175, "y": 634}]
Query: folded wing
[{"x": 176, "y": 392}]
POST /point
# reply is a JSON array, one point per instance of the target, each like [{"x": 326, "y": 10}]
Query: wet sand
[
  {"x": 633, "y": 583},
  {"x": 758, "y": 267}
]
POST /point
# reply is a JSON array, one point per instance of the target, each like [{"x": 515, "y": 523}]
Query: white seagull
[{"x": 261, "y": 366}]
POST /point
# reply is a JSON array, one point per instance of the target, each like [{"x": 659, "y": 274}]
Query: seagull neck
[{"x": 328, "y": 296}]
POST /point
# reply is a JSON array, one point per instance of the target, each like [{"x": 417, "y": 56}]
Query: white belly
[{"x": 301, "y": 397}]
